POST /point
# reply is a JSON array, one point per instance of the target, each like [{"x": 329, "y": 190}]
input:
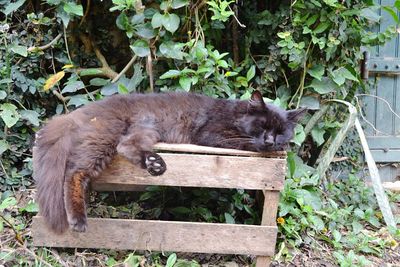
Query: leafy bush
[{"x": 57, "y": 55}]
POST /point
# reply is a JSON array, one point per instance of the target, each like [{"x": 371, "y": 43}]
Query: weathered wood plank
[
  {"x": 270, "y": 208},
  {"x": 162, "y": 236},
  {"x": 189, "y": 148},
  {"x": 189, "y": 170}
]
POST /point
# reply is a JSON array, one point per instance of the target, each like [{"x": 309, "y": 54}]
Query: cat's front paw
[
  {"x": 154, "y": 164},
  {"x": 78, "y": 223}
]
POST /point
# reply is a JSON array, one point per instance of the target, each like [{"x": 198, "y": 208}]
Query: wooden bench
[{"x": 187, "y": 166}]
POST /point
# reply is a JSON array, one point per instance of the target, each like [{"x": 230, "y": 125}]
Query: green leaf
[
  {"x": 133, "y": 260},
  {"x": 310, "y": 102},
  {"x": 393, "y": 13},
  {"x": 318, "y": 135},
  {"x": 170, "y": 22},
  {"x": 8, "y": 203},
  {"x": 322, "y": 27},
  {"x": 336, "y": 235},
  {"x": 323, "y": 86},
  {"x": 9, "y": 114},
  {"x": 340, "y": 75},
  {"x": 157, "y": 20},
  {"x": 299, "y": 135},
  {"x": 251, "y": 73},
  {"x": 141, "y": 48},
  {"x": 31, "y": 207},
  {"x": 357, "y": 227},
  {"x": 370, "y": 14},
  {"x": 78, "y": 100},
  {"x": 4, "y": 146},
  {"x": 20, "y": 50},
  {"x": 145, "y": 30},
  {"x": 89, "y": 72},
  {"x": 317, "y": 71},
  {"x": 185, "y": 83},
  {"x": 170, "y": 74},
  {"x": 172, "y": 50},
  {"x": 179, "y": 3},
  {"x": 317, "y": 222},
  {"x": 171, "y": 260},
  {"x": 99, "y": 81},
  {"x": 73, "y": 87},
  {"x": 73, "y": 8},
  {"x": 3, "y": 94},
  {"x": 122, "y": 89},
  {"x": 311, "y": 20},
  {"x": 31, "y": 116},
  {"x": 11, "y": 7},
  {"x": 229, "y": 219}
]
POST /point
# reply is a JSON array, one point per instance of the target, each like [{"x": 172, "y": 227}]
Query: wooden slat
[
  {"x": 189, "y": 148},
  {"x": 384, "y": 142},
  {"x": 189, "y": 170},
  {"x": 270, "y": 208},
  {"x": 386, "y": 156},
  {"x": 162, "y": 236}
]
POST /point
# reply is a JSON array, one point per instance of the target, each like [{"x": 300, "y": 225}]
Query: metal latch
[{"x": 382, "y": 65}]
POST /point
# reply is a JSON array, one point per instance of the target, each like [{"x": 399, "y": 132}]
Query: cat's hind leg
[{"x": 137, "y": 147}]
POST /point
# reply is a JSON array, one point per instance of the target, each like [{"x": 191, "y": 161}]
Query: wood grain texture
[
  {"x": 162, "y": 236},
  {"x": 189, "y": 170},
  {"x": 189, "y": 148},
  {"x": 270, "y": 209}
]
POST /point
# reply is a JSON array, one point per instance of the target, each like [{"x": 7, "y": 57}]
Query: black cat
[{"x": 74, "y": 148}]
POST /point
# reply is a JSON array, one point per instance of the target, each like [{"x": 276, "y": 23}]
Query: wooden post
[{"x": 270, "y": 208}]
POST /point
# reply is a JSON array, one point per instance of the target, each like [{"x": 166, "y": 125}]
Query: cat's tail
[{"x": 50, "y": 153}]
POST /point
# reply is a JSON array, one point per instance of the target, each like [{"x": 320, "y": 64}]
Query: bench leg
[{"x": 270, "y": 208}]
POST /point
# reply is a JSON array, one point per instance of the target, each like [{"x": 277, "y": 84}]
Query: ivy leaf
[
  {"x": 340, "y": 75},
  {"x": 31, "y": 207},
  {"x": 318, "y": 135},
  {"x": 9, "y": 114},
  {"x": 11, "y": 7},
  {"x": 299, "y": 135},
  {"x": 309, "y": 102},
  {"x": 229, "y": 219},
  {"x": 171, "y": 22},
  {"x": 370, "y": 14},
  {"x": 4, "y": 146},
  {"x": 322, "y": 27},
  {"x": 323, "y": 86},
  {"x": 172, "y": 50},
  {"x": 73, "y": 87},
  {"x": 157, "y": 20},
  {"x": 31, "y": 116},
  {"x": 179, "y": 3},
  {"x": 73, "y": 8},
  {"x": 317, "y": 71},
  {"x": 3, "y": 94},
  {"x": 20, "y": 50},
  {"x": 170, "y": 74},
  {"x": 145, "y": 30},
  {"x": 8, "y": 203},
  {"x": 185, "y": 83},
  {"x": 78, "y": 100},
  {"x": 141, "y": 48},
  {"x": 122, "y": 89}
]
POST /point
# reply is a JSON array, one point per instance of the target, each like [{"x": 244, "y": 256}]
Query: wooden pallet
[{"x": 187, "y": 166}]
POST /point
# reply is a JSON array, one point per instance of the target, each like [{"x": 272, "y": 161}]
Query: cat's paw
[
  {"x": 78, "y": 223},
  {"x": 154, "y": 164}
]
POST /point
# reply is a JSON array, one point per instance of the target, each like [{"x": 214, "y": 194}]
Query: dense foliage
[{"x": 56, "y": 55}]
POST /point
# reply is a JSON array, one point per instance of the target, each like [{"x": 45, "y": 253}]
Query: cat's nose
[{"x": 269, "y": 140}]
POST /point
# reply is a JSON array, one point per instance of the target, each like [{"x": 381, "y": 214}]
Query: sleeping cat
[{"x": 74, "y": 148}]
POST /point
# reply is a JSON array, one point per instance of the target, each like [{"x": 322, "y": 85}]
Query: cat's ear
[
  {"x": 296, "y": 114},
  {"x": 256, "y": 101}
]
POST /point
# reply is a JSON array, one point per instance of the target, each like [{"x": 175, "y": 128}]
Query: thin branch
[
  {"x": 66, "y": 44},
  {"x": 125, "y": 69},
  {"x": 382, "y": 99},
  {"x": 237, "y": 20},
  {"x": 44, "y": 47},
  {"x": 86, "y": 12},
  {"x": 17, "y": 236},
  {"x": 149, "y": 68}
]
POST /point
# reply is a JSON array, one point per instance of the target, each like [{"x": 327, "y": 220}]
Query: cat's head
[{"x": 269, "y": 127}]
